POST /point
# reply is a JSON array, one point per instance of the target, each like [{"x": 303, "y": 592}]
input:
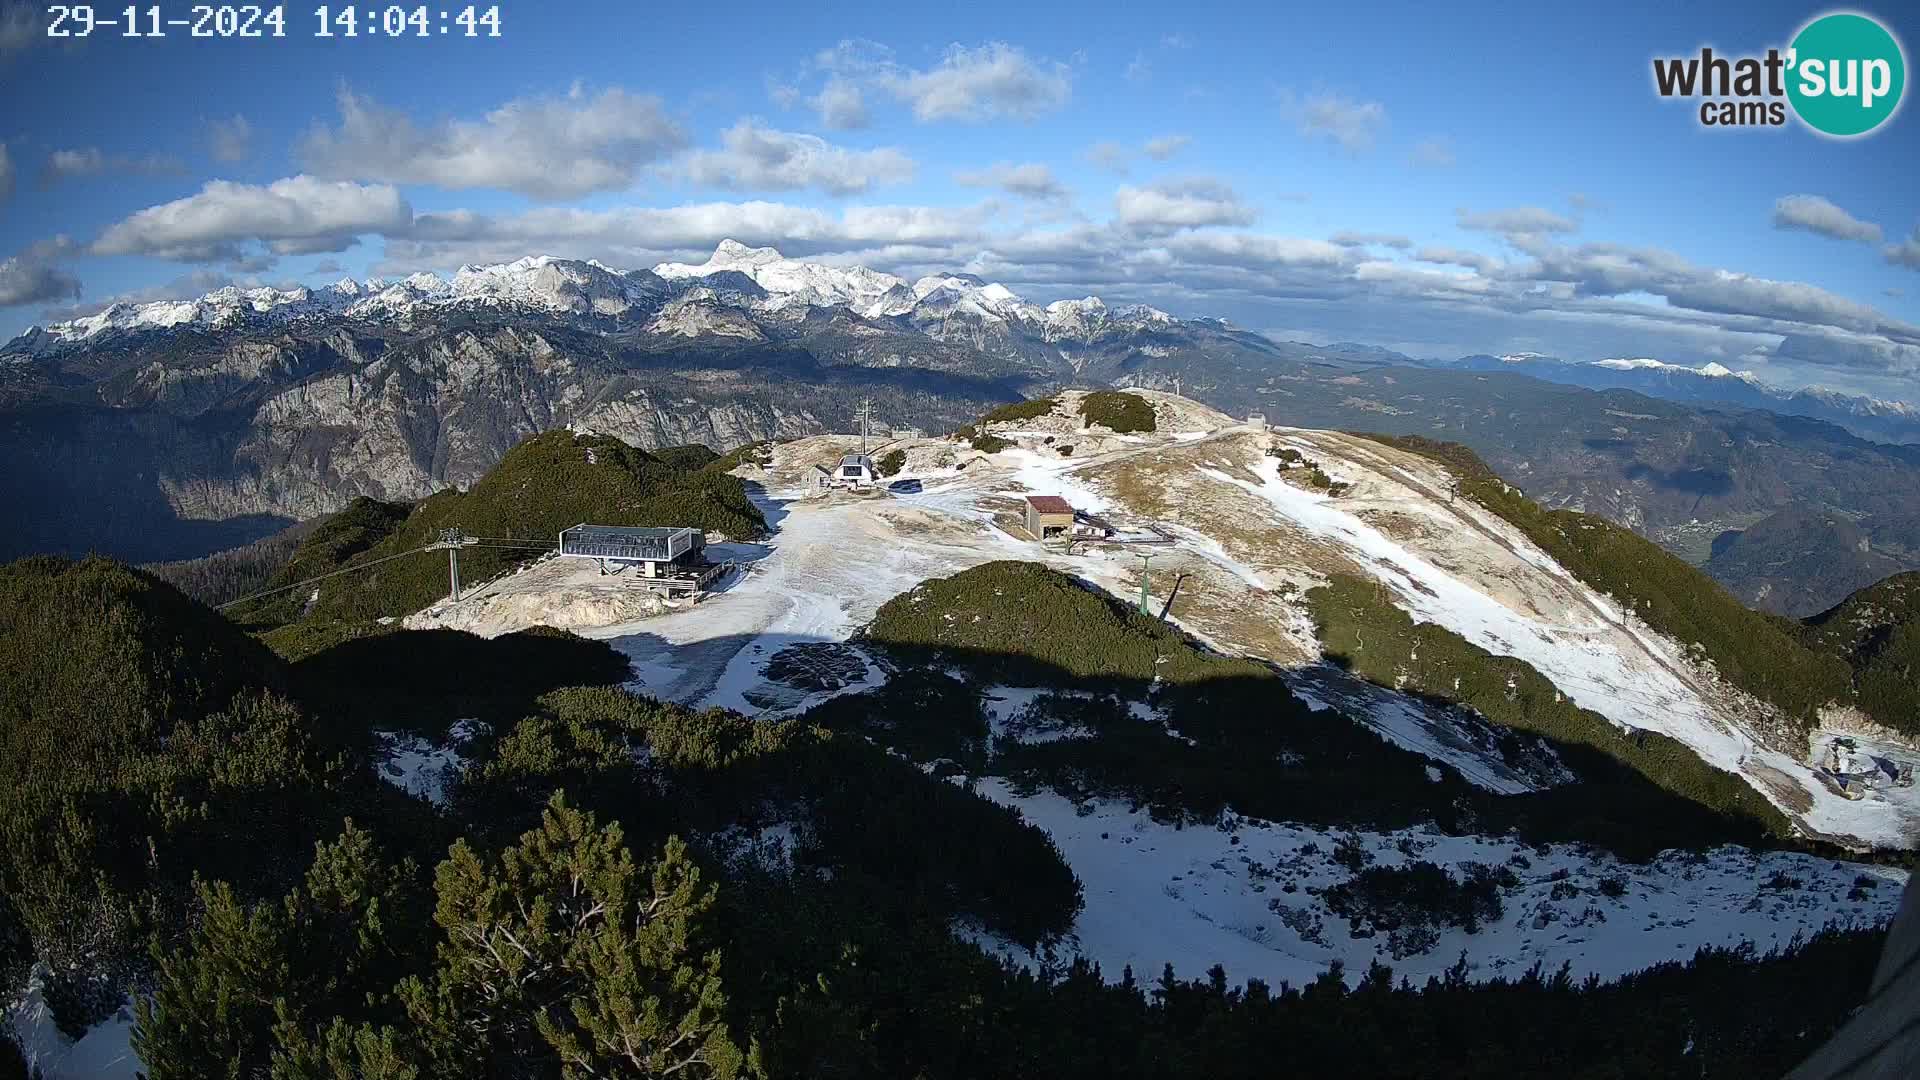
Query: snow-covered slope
[
  {"x": 1710, "y": 370},
  {"x": 1248, "y": 895}
]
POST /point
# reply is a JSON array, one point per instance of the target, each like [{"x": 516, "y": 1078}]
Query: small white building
[
  {"x": 855, "y": 471},
  {"x": 821, "y": 477}
]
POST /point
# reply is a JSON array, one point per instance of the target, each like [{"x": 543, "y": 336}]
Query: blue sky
[{"x": 1438, "y": 181}]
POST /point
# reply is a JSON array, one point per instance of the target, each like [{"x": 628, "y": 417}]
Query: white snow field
[{"x": 1244, "y": 896}]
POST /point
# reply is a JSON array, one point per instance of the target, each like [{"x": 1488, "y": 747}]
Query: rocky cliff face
[{"x": 254, "y": 433}]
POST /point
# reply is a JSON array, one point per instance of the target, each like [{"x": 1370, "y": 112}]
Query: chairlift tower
[
  {"x": 453, "y": 540},
  {"x": 1146, "y": 565}
]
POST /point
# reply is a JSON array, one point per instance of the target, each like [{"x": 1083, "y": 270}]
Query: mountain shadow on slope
[
  {"x": 1877, "y": 631},
  {"x": 1228, "y": 732},
  {"x": 836, "y": 958},
  {"x": 1799, "y": 562},
  {"x": 84, "y": 479},
  {"x": 144, "y": 739},
  {"x": 423, "y": 680}
]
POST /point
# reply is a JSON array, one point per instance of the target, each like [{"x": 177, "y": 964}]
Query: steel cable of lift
[{"x": 322, "y": 577}]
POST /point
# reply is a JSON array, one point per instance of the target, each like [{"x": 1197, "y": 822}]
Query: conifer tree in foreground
[{"x": 560, "y": 956}]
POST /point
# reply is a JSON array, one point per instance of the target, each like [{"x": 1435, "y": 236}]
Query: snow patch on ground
[
  {"x": 105, "y": 1052},
  {"x": 828, "y": 567},
  {"x": 1448, "y": 736},
  {"x": 1039, "y": 475},
  {"x": 1012, "y": 717},
  {"x": 1245, "y": 895},
  {"x": 425, "y": 769}
]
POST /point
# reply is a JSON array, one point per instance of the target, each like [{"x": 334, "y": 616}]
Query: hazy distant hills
[{"x": 1715, "y": 384}]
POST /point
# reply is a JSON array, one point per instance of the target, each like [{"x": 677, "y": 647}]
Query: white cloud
[
  {"x": 1616, "y": 270},
  {"x": 1180, "y": 204},
  {"x": 757, "y": 158},
  {"x": 1448, "y": 256},
  {"x": 1517, "y": 221},
  {"x": 544, "y": 147},
  {"x": 31, "y": 277},
  {"x": 1579, "y": 294},
  {"x": 24, "y": 282},
  {"x": 1907, "y": 252},
  {"x": 1162, "y": 147},
  {"x": 1139, "y": 69},
  {"x": 1109, "y": 155},
  {"x": 1029, "y": 181},
  {"x": 1352, "y": 124},
  {"x": 856, "y": 58},
  {"x": 784, "y": 94},
  {"x": 1256, "y": 252},
  {"x": 991, "y": 81},
  {"x": 1179, "y": 245},
  {"x": 185, "y": 287},
  {"x": 297, "y": 215},
  {"x": 84, "y": 161},
  {"x": 841, "y": 105},
  {"x": 1367, "y": 239},
  {"x": 641, "y": 236},
  {"x": 1434, "y": 152},
  {"x": 229, "y": 139},
  {"x": 1811, "y": 213}
]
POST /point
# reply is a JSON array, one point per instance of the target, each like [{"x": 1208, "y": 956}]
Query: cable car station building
[{"x": 670, "y": 558}]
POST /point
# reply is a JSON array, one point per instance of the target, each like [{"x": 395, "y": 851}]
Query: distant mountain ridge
[
  {"x": 758, "y": 279},
  {"x": 168, "y": 430},
  {"x": 1712, "y": 383}
]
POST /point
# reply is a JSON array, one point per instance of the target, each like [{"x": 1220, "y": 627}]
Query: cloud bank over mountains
[{"x": 605, "y": 173}]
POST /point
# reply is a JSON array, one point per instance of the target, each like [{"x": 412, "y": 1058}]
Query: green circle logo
[{"x": 1846, "y": 74}]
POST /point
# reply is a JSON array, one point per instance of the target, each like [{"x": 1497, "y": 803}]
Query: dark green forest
[
  {"x": 1118, "y": 411},
  {"x": 1877, "y": 632},
  {"x": 597, "y": 897}
]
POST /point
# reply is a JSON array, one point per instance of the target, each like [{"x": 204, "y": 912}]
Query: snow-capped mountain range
[
  {"x": 683, "y": 299},
  {"x": 1868, "y": 417}
]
